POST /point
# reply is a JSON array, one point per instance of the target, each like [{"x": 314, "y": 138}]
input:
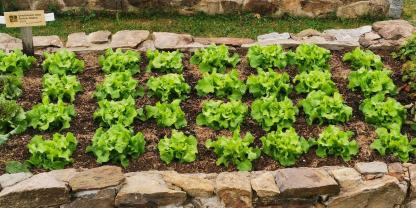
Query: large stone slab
[
  {"x": 348, "y": 35},
  {"x": 273, "y": 36},
  {"x": 396, "y": 8},
  {"x": 194, "y": 185},
  {"x": 143, "y": 189},
  {"x": 64, "y": 175},
  {"x": 346, "y": 177},
  {"x": 9, "y": 43},
  {"x": 100, "y": 199},
  {"x": 289, "y": 43},
  {"x": 224, "y": 40},
  {"x": 166, "y": 40},
  {"x": 305, "y": 182},
  {"x": 47, "y": 41},
  {"x": 385, "y": 192},
  {"x": 79, "y": 39},
  {"x": 97, "y": 178},
  {"x": 129, "y": 38},
  {"x": 234, "y": 189},
  {"x": 375, "y": 167},
  {"x": 99, "y": 37},
  {"x": 412, "y": 176},
  {"x": 264, "y": 184},
  {"x": 7, "y": 180},
  {"x": 41, "y": 190},
  {"x": 394, "y": 29}
]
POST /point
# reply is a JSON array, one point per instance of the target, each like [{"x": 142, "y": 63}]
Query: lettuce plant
[
  {"x": 222, "y": 85},
  {"x": 52, "y": 154},
  {"x": 12, "y": 119},
  {"x": 117, "y": 144},
  {"x": 15, "y": 63},
  {"x": 334, "y": 141},
  {"x": 309, "y": 57},
  {"x": 383, "y": 112},
  {"x": 118, "y": 86},
  {"x": 314, "y": 80},
  {"x": 165, "y": 114},
  {"x": 178, "y": 146},
  {"x": 269, "y": 84},
  {"x": 116, "y": 112},
  {"x": 235, "y": 150},
  {"x": 409, "y": 74},
  {"x": 214, "y": 59},
  {"x": 10, "y": 87},
  {"x": 119, "y": 61},
  {"x": 62, "y": 62},
  {"x": 391, "y": 141},
  {"x": 62, "y": 88},
  {"x": 318, "y": 106},
  {"x": 408, "y": 50},
  {"x": 165, "y": 61},
  {"x": 272, "y": 114},
  {"x": 51, "y": 115},
  {"x": 220, "y": 115},
  {"x": 267, "y": 57},
  {"x": 363, "y": 59},
  {"x": 285, "y": 146},
  {"x": 372, "y": 82},
  {"x": 168, "y": 87}
]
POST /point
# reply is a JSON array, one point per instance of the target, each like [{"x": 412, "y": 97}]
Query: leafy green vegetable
[
  {"x": 363, "y": 59},
  {"x": 285, "y": 146},
  {"x": 52, "y": 154},
  {"x": 118, "y": 86},
  {"x": 383, "y": 112},
  {"x": 51, "y": 115},
  {"x": 319, "y": 106},
  {"x": 116, "y": 112},
  {"x": 223, "y": 85},
  {"x": 392, "y": 142},
  {"x": 269, "y": 84},
  {"x": 272, "y": 114},
  {"x": 62, "y": 62},
  {"x": 409, "y": 74},
  {"x": 12, "y": 119},
  {"x": 214, "y": 59},
  {"x": 314, "y": 80},
  {"x": 117, "y": 144},
  {"x": 10, "y": 87},
  {"x": 408, "y": 50},
  {"x": 334, "y": 141},
  {"x": 309, "y": 57},
  {"x": 15, "y": 63},
  {"x": 62, "y": 88},
  {"x": 16, "y": 167},
  {"x": 166, "y": 114},
  {"x": 372, "y": 82},
  {"x": 267, "y": 57},
  {"x": 168, "y": 87},
  {"x": 179, "y": 146},
  {"x": 119, "y": 61},
  {"x": 165, "y": 61},
  {"x": 235, "y": 150},
  {"x": 219, "y": 115}
]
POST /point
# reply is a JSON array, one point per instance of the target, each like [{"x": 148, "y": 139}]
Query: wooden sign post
[{"x": 26, "y": 20}]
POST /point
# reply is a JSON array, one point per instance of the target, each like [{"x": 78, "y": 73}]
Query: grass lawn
[{"x": 245, "y": 25}]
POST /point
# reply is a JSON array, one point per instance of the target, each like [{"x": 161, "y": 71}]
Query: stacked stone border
[
  {"x": 372, "y": 184},
  {"x": 383, "y": 35}
]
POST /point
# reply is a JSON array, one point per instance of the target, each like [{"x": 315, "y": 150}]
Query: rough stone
[
  {"x": 147, "y": 45},
  {"x": 396, "y": 7},
  {"x": 64, "y": 175},
  {"x": 412, "y": 176},
  {"x": 385, "y": 45},
  {"x": 225, "y": 41},
  {"x": 266, "y": 7},
  {"x": 195, "y": 186},
  {"x": 308, "y": 33},
  {"x": 165, "y": 40},
  {"x": 372, "y": 36},
  {"x": 319, "y": 8},
  {"x": 47, "y": 41},
  {"x": 41, "y": 190},
  {"x": 97, "y": 178},
  {"x": 211, "y": 202},
  {"x": 7, "y": 180},
  {"x": 129, "y": 38},
  {"x": 333, "y": 45},
  {"x": 394, "y": 29},
  {"x": 99, "y": 37},
  {"x": 289, "y": 43},
  {"x": 363, "y": 8},
  {"x": 234, "y": 189},
  {"x": 77, "y": 40},
  {"x": 305, "y": 182},
  {"x": 346, "y": 177},
  {"x": 375, "y": 167},
  {"x": 101, "y": 198},
  {"x": 273, "y": 36},
  {"x": 264, "y": 184},
  {"x": 9, "y": 43},
  {"x": 396, "y": 170},
  {"x": 147, "y": 188},
  {"x": 385, "y": 192},
  {"x": 348, "y": 34}
]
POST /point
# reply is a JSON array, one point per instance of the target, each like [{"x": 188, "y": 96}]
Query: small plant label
[{"x": 25, "y": 18}]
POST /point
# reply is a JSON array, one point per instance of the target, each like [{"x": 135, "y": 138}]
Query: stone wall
[
  {"x": 372, "y": 185},
  {"x": 307, "y": 8}
]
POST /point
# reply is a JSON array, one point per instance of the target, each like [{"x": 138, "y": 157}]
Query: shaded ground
[{"x": 84, "y": 127}]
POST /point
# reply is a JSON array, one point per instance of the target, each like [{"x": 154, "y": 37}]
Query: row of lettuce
[{"x": 272, "y": 109}]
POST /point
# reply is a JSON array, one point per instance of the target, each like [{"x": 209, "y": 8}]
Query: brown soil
[{"x": 84, "y": 127}]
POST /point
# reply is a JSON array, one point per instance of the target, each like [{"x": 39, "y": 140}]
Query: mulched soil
[{"x": 84, "y": 127}]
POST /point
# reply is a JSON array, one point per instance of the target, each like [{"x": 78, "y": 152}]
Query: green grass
[{"x": 409, "y": 10}]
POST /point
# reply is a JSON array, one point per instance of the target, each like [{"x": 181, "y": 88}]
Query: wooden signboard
[{"x": 25, "y": 18}]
